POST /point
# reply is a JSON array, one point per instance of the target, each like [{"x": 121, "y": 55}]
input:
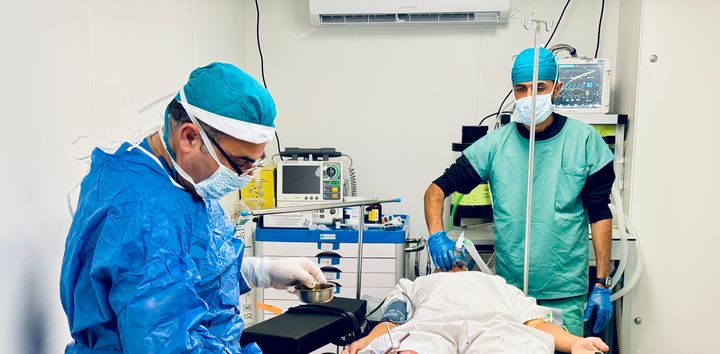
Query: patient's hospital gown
[{"x": 466, "y": 312}]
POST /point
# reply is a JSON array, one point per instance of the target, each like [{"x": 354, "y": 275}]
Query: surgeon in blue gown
[{"x": 151, "y": 264}]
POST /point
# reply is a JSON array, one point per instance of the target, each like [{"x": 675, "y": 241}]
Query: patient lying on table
[{"x": 467, "y": 312}]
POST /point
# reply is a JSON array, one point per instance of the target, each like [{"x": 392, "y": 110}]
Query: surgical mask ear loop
[
  {"x": 209, "y": 146},
  {"x": 206, "y": 141},
  {"x": 179, "y": 169}
]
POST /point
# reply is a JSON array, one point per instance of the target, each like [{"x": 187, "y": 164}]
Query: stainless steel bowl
[{"x": 321, "y": 293}]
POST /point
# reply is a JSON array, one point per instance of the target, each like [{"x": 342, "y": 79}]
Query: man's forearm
[
  {"x": 434, "y": 203},
  {"x": 563, "y": 340},
  {"x": 602, "y": 243}
]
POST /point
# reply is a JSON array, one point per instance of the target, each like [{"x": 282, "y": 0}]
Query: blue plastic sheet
[{"x": 148, "y": 268}]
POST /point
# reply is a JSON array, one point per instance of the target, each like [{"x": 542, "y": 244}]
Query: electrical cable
[
  {"x": 352, "y": 177},
  {"x": 351, "y": 187},
  {"x": 492, "y": 115},
  {"x": 546, "y": 44},
  {"x": 262, "y": 64},
  {"x": 375, "y": 310},
  {"x": 505, "y": 107},
  {"x": 558, "y": 23},
  {"x": 558, "y": 47},
  {"x": 497, "y": 121},
  {"x": 602, "y": 11}
]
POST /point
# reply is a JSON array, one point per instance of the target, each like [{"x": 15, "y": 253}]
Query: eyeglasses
[{"x": 246, "y": 166}]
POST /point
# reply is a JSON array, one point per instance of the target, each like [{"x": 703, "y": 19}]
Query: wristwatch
[{"x": 606, "y": 282}]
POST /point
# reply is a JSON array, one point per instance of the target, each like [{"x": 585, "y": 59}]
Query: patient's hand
[
  {"x": 357, "y": 345},
  {"x": 589, "y": 345}
]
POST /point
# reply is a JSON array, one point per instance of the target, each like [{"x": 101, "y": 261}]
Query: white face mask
[
  {"x": 543, "y": 108},
  {"x": 223, "y": 181}
]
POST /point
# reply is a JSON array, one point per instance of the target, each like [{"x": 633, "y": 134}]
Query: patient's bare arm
[
  {"x": 568, "y": 343},
  {"x": 363, "y": 342}
]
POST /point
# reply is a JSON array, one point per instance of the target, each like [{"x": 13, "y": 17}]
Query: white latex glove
[
  {"x": 292, "y": 271},
  {"x": 281, "y": 273},
  {"x": 589, "y": 345}
]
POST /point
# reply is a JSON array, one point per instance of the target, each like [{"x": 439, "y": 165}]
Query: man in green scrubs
[{"x": 571, "y": 188}]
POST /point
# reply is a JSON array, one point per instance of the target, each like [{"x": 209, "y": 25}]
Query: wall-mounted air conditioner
[{"x": 401, "y": 12}]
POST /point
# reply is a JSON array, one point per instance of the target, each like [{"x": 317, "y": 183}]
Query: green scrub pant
[{"x": 572, "y": 308}]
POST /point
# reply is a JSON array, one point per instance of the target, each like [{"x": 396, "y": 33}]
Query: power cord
[
  {"x": 597, "y": 45},
  {"x": 351, "y": 188},
  {"x": 558, "y": 23},
  {"x": 497, "y": 114},
  {"x": 376, "y": 308},
  {"x": 262, "y": 64},
  {"x": 492, "y": 115},
  {"x": 558, "y": 47}
]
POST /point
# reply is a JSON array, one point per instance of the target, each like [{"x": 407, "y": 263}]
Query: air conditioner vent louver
[
  {"x": 338, "y": 13},
  {"x": 407, "y": 18}
]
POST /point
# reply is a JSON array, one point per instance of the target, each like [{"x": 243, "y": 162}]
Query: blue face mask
[{"x": 223, "y": 181}]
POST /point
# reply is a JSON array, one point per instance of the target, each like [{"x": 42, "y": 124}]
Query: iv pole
[
  {"x": 361, "y": 228},
  {"x": 531, "y": 151}
]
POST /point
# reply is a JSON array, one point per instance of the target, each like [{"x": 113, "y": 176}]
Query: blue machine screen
[{"x": 582, "y": 85}]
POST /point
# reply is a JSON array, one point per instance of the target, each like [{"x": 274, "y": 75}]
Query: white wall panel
[
  {"x": 395, "y": 97},
  {"x": 70, "y": 68},
  {"x": 676, "y": 168}
]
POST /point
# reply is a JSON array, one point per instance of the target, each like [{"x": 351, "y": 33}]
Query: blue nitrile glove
[
  {"x": 442, "y": 250},
  {"x": 599, "y": 302}
]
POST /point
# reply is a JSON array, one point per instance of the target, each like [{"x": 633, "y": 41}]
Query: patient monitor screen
[
  {"x": 301, "y": 180},
  {"x": 582, "y": 85}
]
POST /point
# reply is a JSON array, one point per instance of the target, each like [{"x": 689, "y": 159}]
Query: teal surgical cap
[
  {"x": 522, "y": 70},
  {"x": 231, "y": 101}
]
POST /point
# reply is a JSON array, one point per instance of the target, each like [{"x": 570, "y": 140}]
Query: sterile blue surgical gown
[{"x": 148, "y": 268}]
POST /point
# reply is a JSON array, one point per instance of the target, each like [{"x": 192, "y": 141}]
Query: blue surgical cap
[
  {"x": 231, "y": 101},
  {"x": 522, "y": 70}
]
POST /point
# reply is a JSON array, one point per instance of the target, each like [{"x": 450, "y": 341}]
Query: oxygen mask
[{"x": 462, "y": 257}]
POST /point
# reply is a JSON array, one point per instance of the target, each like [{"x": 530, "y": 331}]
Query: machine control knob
[
  {"x": 330, "y": 171},
  {"x": 638, "y": 320}
]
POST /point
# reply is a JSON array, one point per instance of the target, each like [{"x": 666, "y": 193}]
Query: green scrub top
[{"x": 559, "y": 227}]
